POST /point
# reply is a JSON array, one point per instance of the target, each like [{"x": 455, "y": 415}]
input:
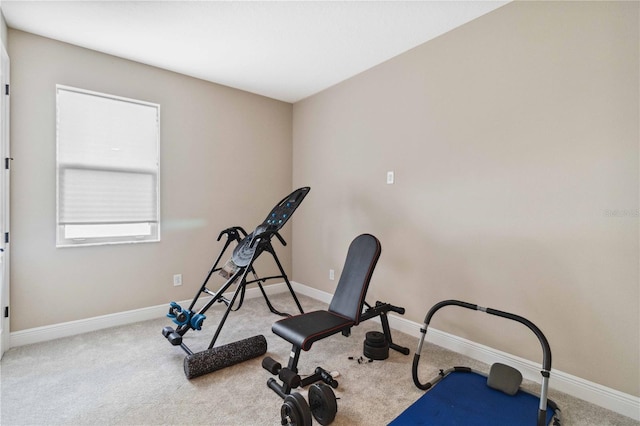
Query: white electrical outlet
[
  {"x": 177, "y": 279},
  {"x": 390, "y": 177},
  {"x": 332, "y": 274}
]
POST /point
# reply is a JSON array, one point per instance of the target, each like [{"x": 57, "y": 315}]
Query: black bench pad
[{"x": 303, "y": 330}]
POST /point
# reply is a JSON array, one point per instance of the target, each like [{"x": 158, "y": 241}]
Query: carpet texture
[{"x": 131, "y": 375}]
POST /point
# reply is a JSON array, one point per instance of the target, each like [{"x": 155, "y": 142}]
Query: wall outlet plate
[{"x": 177, "y": 279}]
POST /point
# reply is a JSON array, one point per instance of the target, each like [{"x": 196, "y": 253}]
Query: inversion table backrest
[
  {"x": 282, "y": 212},
  {"x": 275, "y": 220}
]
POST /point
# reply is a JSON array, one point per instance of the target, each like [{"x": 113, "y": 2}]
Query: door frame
[{"x": 5, "y": 157}]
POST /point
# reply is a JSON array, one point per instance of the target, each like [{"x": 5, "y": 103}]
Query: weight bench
[{"x": 346, "y": 310}]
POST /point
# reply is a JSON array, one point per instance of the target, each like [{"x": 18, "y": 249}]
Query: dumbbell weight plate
[
  {"x": 295, "y": 411},
  {"x": 375, "y": 339},
  {"x": 377, "y": 354},
  {"x": 323, "y": 404}
]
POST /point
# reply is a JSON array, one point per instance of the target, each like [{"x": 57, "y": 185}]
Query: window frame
[{"x": 62, "y": 241}]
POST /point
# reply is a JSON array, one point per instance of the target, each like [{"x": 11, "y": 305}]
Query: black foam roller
[{"x": 214, "y": 359}]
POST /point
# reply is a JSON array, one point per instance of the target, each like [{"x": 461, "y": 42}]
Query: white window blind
[{"x": 108, "y": 168}]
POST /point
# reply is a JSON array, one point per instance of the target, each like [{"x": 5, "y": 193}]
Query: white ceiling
[{"x": 286, "y": 50}]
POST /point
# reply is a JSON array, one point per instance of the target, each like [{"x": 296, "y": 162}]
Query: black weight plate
[
  {"x": 378, "y": 354},
  {"x": 375, "y": 339},
  {"x": 288, "y": 413},
  {"x": 295, "y": 410},
  {"x": 323, "y": 404}
]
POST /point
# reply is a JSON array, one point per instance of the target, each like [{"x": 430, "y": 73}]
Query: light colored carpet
[{"x": 131, "y": 375}]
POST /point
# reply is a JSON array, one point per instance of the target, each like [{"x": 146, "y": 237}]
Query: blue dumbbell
[{"x": 178, "y": 315}]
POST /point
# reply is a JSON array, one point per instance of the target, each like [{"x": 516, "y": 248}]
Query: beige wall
[
  {"x": 514, "y": 140},
  {"x": 225, "y": 161}
]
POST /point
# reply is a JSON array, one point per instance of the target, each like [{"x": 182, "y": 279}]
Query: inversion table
[{"x": 239, "y": 270}]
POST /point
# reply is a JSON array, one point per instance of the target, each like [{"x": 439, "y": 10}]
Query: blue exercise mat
[{"x": 463, "y": 398}]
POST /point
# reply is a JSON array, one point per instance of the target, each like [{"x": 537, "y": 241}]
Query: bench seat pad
[{"x": 302, "y": 330}]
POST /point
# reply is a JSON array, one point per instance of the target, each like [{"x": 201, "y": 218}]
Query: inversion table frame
[
  {"x": 542, "y": 417},
  {"x": 249, "y": 247}
]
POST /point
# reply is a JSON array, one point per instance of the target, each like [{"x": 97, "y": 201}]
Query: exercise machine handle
[
  {"x": 396, "y": 309},
  {"x": 232, "y": 233},
  {"x": 546, "y": 350}
]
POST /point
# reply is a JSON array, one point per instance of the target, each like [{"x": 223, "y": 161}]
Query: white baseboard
[
  {"x": 611, "y": 399},
  {"x": 619, "y": 402},
  {"x": 71, "y": 328},
  {"x": 311, "y": 292}
]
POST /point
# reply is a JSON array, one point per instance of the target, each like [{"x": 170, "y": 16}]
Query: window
[{"x": 108, "y": 169}]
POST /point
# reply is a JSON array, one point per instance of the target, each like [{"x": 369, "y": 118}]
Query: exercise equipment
[
  {"x": 214, "y": 359},
  {"x": 347, "y": 309},
  {"x": 463, "y": 396},
  {"x": 238, "y": 270},
  {"x": 375, "y": 346}
]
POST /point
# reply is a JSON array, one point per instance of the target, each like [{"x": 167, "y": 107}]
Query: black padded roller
[
  {"x": 227, "y": 355},
  {"x": 271, "y": 365},
  {"x": 289, "y": 377}
]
